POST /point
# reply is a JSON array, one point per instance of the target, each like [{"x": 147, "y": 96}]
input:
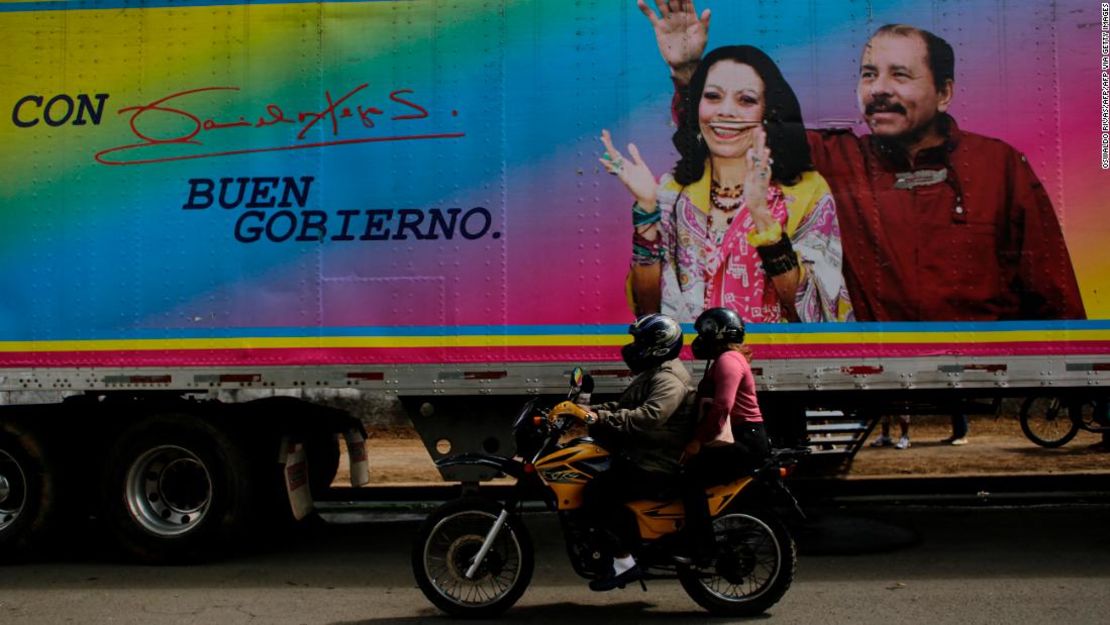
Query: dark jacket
[{"x": 653, "y": 420}]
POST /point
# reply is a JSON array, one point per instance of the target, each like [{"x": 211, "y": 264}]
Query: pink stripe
[
  {"x": 484, "y": 355},
  {"x": 305, "y": 357},
  {"x": 916, "y": 350}
]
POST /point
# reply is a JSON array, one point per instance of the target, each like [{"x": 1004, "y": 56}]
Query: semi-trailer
[{"x": 405, "y": 198}]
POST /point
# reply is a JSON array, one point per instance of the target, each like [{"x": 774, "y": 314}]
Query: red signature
[{"x": 193, "y": 127}]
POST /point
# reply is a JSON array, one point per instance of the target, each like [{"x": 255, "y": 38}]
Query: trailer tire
[
  {"x": 28, "y": 491},
  {"x": 176, "y": 489}
]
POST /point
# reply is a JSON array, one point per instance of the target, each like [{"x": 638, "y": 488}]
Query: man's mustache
[{"x": 883, "y": 106}]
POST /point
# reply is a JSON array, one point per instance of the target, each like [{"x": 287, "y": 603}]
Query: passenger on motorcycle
[
  {"x": 729, "y": 439},
  {"x": 645, "y": 431}
]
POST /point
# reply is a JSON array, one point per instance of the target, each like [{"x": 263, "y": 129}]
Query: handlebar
[{"x": 571, "y": 409}]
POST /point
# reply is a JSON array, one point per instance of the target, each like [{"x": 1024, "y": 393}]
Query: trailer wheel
[
  {"x": 1048, "y": 422},
  {"x": 175, "y": 489},
  {"x": 27, "y": 491}
]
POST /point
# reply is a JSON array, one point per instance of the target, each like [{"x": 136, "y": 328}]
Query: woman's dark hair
[{"x": 782, "y": 119}]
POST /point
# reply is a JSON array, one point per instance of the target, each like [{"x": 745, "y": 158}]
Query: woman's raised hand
[
  {"x": 758, "y": 180},
  {"x": 633, "y": 172},
  {"x": 680, "y": 32}
]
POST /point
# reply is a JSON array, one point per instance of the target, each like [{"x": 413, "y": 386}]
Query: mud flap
[
  {"x": 296, "y": 478},
  {"x": 356, "y": 453}
]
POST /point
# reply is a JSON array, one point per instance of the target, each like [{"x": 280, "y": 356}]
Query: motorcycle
[{"x": 473, "y": 557}]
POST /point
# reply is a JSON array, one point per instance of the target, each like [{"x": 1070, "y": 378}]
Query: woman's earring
[{"x": 699, "y": 138}]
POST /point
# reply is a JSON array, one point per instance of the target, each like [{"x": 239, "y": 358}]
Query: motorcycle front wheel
[
  {"x": 754, "y": 566},
  {"x": 446, "y": 546}
]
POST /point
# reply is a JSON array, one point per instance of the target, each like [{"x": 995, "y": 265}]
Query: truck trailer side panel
[{"x": 269, "y": 185}]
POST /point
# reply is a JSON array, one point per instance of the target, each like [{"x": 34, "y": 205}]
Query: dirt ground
[{"x": 996, "y": 446}]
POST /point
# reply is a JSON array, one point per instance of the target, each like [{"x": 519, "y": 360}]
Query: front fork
[
  {"x": 787, "y": 499},
  {"x": 488, "y": 543}
]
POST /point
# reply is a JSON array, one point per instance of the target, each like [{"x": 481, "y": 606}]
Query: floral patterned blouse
[{"x": 708, "y": 264}]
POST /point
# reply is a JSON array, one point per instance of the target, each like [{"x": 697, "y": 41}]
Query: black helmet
[
  {"x": 716, "y": 328},
  {"x": 656, "y": 338}
]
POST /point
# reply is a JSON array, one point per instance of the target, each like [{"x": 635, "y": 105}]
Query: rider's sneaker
[
  {"x": 882, "y": 441},
  {"x": 958, "y": 441},
  {"x": 617, "y": 581},
  {"x": 903, "y": 443}
]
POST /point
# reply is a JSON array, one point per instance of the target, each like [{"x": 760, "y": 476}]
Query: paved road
[{"x": 876, "y": 565}]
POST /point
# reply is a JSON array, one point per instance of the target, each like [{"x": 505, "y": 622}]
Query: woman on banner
[{"x": 743, "y": 221}]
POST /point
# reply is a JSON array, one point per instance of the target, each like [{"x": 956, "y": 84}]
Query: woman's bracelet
[
  {"x": 778, "y": 257},
  {"x": 643, "y": 217},
  {"x": 644, "y": 251}
]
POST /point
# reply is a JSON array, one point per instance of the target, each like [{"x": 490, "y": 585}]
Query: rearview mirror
[{"x": 581, "y": 384}]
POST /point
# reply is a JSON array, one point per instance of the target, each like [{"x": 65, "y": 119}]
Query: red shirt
[
  {"x": 968, "y": 234},
  {"x": 983, "y": 244}
]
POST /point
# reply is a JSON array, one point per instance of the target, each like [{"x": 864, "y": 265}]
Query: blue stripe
[
  {"x": 93, "y": 5},
  {"x": 590, "y": 330}
]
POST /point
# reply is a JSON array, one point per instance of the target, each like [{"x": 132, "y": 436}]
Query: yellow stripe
[
  {"x": 312, "y": 342},
  {"x": 560, "y": 340}
]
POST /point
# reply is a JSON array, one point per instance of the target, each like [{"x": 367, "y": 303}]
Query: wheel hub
[
  {"x": 461, "y": 556},
  {"x": 168, "y": 490},
  {"x": 183, "y": 485},
  {"x": 736, "y": 567},
  {"x": 13, "y": 490}
]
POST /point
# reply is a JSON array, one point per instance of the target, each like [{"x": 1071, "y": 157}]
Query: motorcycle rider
[
  {"x": 729, "y": 439},
  {"x": 645, "y": 431}
]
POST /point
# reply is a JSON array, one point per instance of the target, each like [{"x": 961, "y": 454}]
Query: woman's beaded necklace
[{"x": 727, "y": 200}]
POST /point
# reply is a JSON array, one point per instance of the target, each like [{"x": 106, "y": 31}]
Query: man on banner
[{"x": 938, "y": 224}]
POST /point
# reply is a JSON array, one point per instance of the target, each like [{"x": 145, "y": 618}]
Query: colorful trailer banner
[{"x": 202, "y": 182}]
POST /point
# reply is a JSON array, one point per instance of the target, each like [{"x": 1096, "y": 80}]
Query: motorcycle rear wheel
[
  {"x": 444, "y": 549},
  {"x": 754, "y": 567}
]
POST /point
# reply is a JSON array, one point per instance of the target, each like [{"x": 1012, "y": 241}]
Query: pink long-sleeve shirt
[{"x": 726, "y": 393}]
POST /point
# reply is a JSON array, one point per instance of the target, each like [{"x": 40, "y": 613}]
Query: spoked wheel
[
  {"x": 445, "y": 550},
  {"x": 753, "y": 569},
  {"x": 1047, "y": 421}
]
